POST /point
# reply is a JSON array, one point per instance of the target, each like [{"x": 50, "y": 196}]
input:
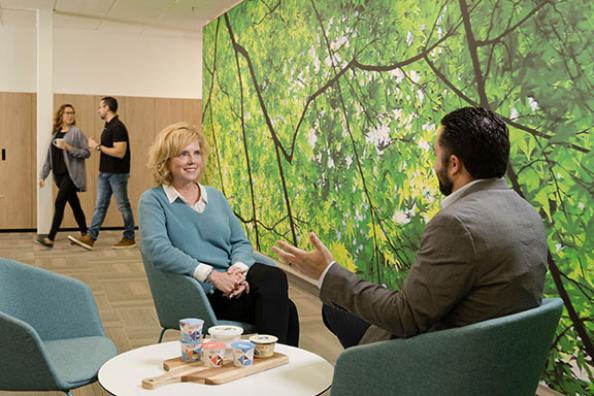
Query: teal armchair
[
  {"x": 499, "y": 357},
  {"x": 51, "y": 335},
  {"x": 179, "y": 296}
]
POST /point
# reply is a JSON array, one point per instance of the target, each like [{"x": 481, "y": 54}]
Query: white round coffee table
[{"x": 306, "y": 374}]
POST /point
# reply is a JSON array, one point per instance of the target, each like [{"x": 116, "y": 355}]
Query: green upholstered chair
[
  {"x": 51, "y": 337},
  {"x": 498, "y": 357},
  {"x": 179, "y": 296}
]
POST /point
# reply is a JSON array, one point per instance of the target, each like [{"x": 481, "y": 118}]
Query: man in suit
[{"x": 482, "y": 256}]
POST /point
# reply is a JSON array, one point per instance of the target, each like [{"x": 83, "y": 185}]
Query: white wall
[
  {"x": 17, "y": 60},
  {"x": 127, "y": 63},
  {"x": 119, "y": 61}
]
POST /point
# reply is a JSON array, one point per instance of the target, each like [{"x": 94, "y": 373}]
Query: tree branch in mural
[
  {"x": 509, "y": 121},
  {"x": 239, "y": 49},
  {"x": 244, "y": 140},
  {"x": 510, "y": 29},
  {"x": 372, "y": 208},
  {"x": 207, "y": 108},
  {"x": 355, "y": 151}
]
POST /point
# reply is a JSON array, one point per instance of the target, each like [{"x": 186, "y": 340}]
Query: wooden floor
[{"x": 124, "y": 300}]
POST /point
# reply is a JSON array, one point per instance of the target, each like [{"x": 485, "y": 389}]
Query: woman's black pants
[
  {"x": 267, "y": 305},
  {"x": 66, "y": 193}
]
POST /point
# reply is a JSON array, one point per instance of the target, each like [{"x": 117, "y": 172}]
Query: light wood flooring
[{"x": 124, "y": 300}]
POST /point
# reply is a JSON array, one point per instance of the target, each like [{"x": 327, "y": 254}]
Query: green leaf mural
[{"x": 321, "y": 115}]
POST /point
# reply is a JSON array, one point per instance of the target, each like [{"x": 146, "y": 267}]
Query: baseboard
[{"x": 17, "y": 230}]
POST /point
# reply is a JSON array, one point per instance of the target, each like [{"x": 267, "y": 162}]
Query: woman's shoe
[{"x": 45, "y": 241}]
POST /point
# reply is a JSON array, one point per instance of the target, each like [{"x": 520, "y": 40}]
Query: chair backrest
[
  {"x": 30, "y": 294},
  {"x": 177, "y": 297},
  {"x": 21, "y": 289},
  {"x": 503, "y": 356}
]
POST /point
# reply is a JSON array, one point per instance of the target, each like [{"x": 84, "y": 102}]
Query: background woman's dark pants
[
  {"x": 267, "y": 305},
  {"x": 66, "y": 193}
]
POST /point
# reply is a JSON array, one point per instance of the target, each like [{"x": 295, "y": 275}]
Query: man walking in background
[{"x": 114, "y": 172}]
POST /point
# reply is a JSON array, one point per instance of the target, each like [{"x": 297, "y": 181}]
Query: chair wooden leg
[{"x": 161, "y": 335}]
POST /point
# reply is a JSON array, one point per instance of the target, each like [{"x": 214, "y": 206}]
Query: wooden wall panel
[
  {"x": 169, "y": 111},
  {"x": 34, "y": 170},
  {"x": 193, "y": 111},
  {"x": 140, "y": 119},
  {"x": 16, "y": 184}
]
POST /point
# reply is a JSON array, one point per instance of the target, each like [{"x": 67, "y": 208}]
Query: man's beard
[{"x": 445, "y": 185}]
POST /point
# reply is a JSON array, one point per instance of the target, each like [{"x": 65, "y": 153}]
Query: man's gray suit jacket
[{"x": 482, "y": 256}]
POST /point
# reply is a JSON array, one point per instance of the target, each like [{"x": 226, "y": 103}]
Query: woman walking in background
[{"x": 66, "y": 156}]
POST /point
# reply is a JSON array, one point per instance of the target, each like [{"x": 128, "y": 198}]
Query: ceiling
[{"x": 181, "y": 16}]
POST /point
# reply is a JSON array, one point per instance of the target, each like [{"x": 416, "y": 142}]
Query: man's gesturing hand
[{"x": 311, "y": 264}]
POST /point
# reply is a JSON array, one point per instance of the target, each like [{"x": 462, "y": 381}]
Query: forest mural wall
[{"x": 321, "y": 116}]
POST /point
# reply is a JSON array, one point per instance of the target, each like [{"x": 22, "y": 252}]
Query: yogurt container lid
[
  {"x": 244, "y": 346},
  {"x": 225, "y": 331},
  {"x": 213, "y": 345},
  {"x": 191, "y": 321},
  {"x": 263, "y": 339}
]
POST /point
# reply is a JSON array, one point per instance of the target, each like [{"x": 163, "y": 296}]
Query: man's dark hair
[
  {"x": 479, "y": 138},
  {"x": 111, "y": 103}
]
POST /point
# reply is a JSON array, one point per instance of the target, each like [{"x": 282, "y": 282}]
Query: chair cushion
[{"x": 77, "y": 361}]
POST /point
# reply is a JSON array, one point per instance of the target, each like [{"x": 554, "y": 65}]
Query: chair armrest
[
  {"x": 364, "y": 369},
  {"x": 54, "y": 305},
  {"x": 177, "y": 296},
  {"x": 433, "y": 363},
  {"x": 192, "y": 301},
  {"x": 23, "y": 357}
]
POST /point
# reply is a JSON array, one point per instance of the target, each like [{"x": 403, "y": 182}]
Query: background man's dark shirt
[{"x": 114, "y": 131}]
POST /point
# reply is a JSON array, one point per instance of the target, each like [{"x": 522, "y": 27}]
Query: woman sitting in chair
[{"x": 190, "y": 229}]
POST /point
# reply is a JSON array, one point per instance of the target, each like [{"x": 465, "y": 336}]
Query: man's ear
[{"x": 455, "y": 166}]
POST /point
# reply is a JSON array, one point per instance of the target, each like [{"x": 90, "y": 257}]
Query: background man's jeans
[{"x": 116, "y": 183}]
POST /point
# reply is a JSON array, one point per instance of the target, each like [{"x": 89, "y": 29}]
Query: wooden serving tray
[{"x": 180, "y": 371}]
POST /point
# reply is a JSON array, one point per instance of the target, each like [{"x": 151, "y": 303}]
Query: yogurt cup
[
  {"x": 225, "y": 333},
  {"x": 264, "y": 345},
  {"x": 191, "y": 352},
  {"x": 191, "y": 330},
  {"x": 213, "y": 354},
  {"x": 243, "y": 353}
]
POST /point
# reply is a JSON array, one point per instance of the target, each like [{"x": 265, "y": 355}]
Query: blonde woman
[
  {"x": 190, "y": 229},
  {"x": 66, "y": 156}
]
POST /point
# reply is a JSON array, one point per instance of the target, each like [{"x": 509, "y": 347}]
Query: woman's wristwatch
[{"x": 98, "y": 147}]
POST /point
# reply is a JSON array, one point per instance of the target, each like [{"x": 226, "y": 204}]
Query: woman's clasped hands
[{"x": 232, "y": 283}]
